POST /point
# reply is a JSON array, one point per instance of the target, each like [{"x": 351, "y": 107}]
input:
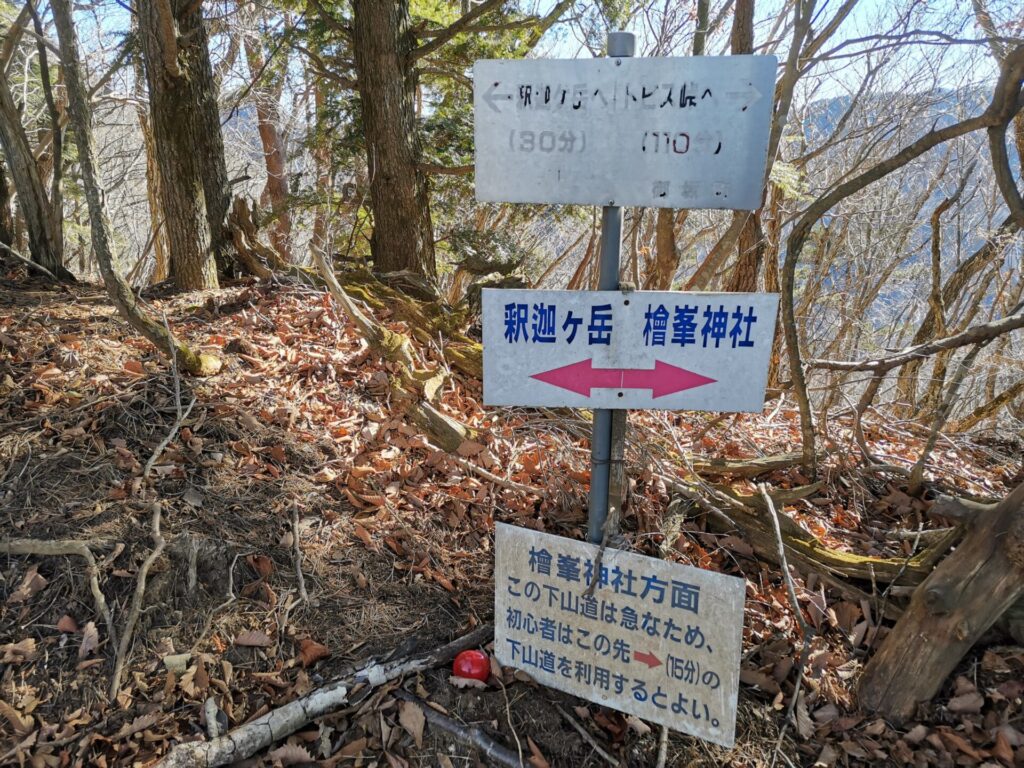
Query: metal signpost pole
[{"x": 609, "y": 429}]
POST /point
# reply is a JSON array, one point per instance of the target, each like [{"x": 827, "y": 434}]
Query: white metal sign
[
  {"x": 656, "y": 639},
  {"x": 639, "y": 349},
  {"x": 661, "y": 132}
]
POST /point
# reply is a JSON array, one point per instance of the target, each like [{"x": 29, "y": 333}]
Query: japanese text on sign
[
  {"x": 643, "y": 349},
  {"x": 669, "y": 132},
  {"x": 656, "y": 639}
]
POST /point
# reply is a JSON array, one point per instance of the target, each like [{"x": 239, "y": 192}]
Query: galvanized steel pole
[{"x": 608, "y": 437}]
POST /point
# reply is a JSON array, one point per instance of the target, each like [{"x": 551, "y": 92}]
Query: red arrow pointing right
[{"x": 649, "y": 659}]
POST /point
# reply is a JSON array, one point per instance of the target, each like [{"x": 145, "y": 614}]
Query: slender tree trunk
[
  {"x": 268, "y": 118},
  {"x": 186, "y": 132},
  {"x": 158, "y": 228},
  {"x": 7, "y": 233},
  {"x": 666, "y": 259},
  {"x": 403, "y": 236},
  {"x": 32, "y": 198},
  {"x": 322, "y": 162},
  {"x": 120, "y": 292},
  {"x": 750, "y": 243}
]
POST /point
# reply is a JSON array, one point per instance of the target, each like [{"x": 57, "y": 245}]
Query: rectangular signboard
[
  {"x": 656, "y": 639},
  {"x": 662, "y": 132},
  {"x": 640, "y": 349}
]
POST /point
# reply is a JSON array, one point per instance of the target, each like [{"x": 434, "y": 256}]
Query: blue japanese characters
[{"x": 647, "y": 636}]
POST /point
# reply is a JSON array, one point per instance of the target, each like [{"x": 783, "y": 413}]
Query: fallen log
[
  {"x": 745, "y": 467},
  {"x": 962, "y": 598},
  {"x": 246, "y": 740}
]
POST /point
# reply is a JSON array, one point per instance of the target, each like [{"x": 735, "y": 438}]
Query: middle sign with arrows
[{"x": 616, "y": 349}]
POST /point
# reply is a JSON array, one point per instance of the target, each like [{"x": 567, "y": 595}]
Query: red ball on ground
[{"x": 472, "y": 664}]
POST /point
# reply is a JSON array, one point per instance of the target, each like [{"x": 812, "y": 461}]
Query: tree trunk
[
  {"x": 186, "y": 132},
  {"x": 750, "y": 243},
  {"x": 32, "y": 198},
  {"x": 268, "y": 118},
  {"x": 402, "y": 231},
  {"x": 120, "y": 292},
  {"x": 7, "y": 233},
  {"x": 964, "y": 596}
]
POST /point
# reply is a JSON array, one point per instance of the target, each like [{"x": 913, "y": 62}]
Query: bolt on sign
[
  {"x": 656, "y": 639},
  {"x": 660, "y": 132},
  {"x": 637, "y": 349}
]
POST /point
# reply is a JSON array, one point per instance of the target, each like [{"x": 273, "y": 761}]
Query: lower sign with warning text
[
  {"x": 639, "y": 349},
  {"x": 655, "y": 639}
]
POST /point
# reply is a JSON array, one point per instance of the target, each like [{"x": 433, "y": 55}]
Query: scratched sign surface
[
  {"x": 656, "y": 639},
  {"x": 641, "y": 349},
  {"x": 661, "y": 132}
]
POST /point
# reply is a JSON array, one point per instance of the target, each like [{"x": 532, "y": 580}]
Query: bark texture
[
  {"x": 118, "y": 289},
  {"x": 403, "y": 236},
  {"x": 43, "y": 246},
  {"x": 186, "y": 130},
  {"x": 964, "y": 596}
]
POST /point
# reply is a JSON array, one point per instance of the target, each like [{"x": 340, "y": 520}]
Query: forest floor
[{"x": 290, "y": 457}]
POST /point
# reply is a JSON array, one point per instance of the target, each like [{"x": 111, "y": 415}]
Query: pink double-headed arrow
[{"x": 582, "y": 377}]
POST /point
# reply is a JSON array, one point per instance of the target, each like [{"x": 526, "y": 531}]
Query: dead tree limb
[
  {"x": 246, "y": 740},
  {"x": 983, "y": 332},
  {"x": 964, "y": 596},
  {"x": 467, "y": 734}
]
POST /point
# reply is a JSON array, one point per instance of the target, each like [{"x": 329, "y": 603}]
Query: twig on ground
[
  {"x": 806, "y": 629},
  {"x": 472, "y": 735},
  {"x": 587, "y": 737},
  {"x": 69, "y": 547},
  {"x": 136, "y": 604},
  {"x": 167, "y": 440},
  {"x": 29, "y": 263},
  {"x": 662, "y": 748},
  {"x": 508, "y": 717},
  {"x": 297, "y": 553},
  {"x": 248, "y": 739}
]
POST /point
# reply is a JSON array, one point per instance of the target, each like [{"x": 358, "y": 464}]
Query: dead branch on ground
[{"x": 248, "y": 739}]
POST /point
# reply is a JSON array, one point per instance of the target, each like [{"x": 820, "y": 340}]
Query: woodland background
[{"x": 276, "y": 392}]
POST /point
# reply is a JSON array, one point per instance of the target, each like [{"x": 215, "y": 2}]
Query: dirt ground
[{"x": 289, "y": 461}]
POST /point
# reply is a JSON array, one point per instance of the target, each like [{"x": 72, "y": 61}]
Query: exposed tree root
[{"x": 136, "y": 605}]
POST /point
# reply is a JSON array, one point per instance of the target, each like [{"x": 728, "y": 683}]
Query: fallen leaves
[
  {"x": 19, "y": 652},
  {"x": 310, "y": 651},
  {"x": 253, "y": 638},
  {"x": 90, "y": 640},
  {"x": 32, "y": 583}
]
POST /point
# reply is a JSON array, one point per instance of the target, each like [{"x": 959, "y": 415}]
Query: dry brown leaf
[
  {"x": 1002, "y": 751},
  {"x": 804, "y": 724},
  {"x": 353, "y": 748},
  {"x": 32, "y": 584},
  {"x": 22, "y": 724},
  {"x": 967, "y": 704},
  {"x": 253, "y": 639},
  {"x": 310, "y": 651},
  {"x": 262, "y": 564},
  {"x": 134, "y": 367},
  {"x": 412, "y": 719},
  {"x": 19, "y": 652},
  {"x": 67, "y": 624},
  {"x": 140, "y": 723},
  {"x": 536, "y": 759},
  {"x": 90, "y": 640},
  {"x": 468, "y": 448},
  {"x": 290, "y": 754}
]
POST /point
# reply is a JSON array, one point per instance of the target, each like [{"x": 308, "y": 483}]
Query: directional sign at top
[
  {"x": 640, "y": 349},
  {"x": 660, "y": 132}
]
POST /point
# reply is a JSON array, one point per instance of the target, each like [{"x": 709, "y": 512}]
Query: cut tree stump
[{"x": 962, "y": 598}]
